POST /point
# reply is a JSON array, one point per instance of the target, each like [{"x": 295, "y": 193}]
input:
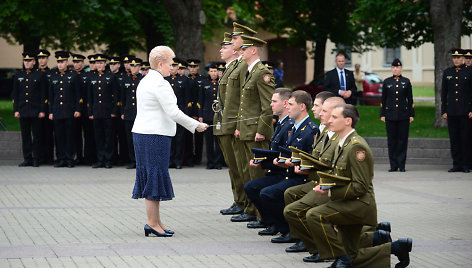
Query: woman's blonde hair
[{"x": 160, "y": 54}]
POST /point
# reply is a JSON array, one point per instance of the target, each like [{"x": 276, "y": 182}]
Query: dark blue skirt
[{"x": 152, "y": 167}]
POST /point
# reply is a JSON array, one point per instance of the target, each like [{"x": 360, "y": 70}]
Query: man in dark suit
[{"x": 341, "y": 81}]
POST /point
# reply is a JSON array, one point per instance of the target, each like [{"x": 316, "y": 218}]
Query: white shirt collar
[
  {"x": 228, "y": 63},
  {"x": 321, "y": 127},
  {"x": 341, "y": 142},
  {"x": 249, "y": 68},
  {"x": 331, "y": 134},
  {"x": 339, "y": 70}
]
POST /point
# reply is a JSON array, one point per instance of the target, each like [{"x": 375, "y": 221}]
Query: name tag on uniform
[
  {"x": 127, "y": 85},
  {"x": 93, "y": 82},
  {"x": 54, "y": 82},
  {"x": 207, "y": 87},
  {"x": 107, "y": 78},
  {"x": 449, "y": 77},
  {"x": 20, "y": 79}
]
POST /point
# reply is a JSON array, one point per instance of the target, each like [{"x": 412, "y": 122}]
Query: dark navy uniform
[
  {"x": 181, "y": 87},
  {"x": 208, "y": 94},
  {"x": 64, "y": 100},
  {"x": 456, "y": 94},
  {"x": 196, "y": 85},
  {"x": 84, "y": 140},
  {"x": 102, "y": 103},
  {"x": 120, "y": 144},
  {"x": 397, "y": 107},
  {"x": 29, "y": 99},
  {"x": 47, "y": 126},
  {"x": 128, "y": 104},
  {"x": 268, "y": 195}
]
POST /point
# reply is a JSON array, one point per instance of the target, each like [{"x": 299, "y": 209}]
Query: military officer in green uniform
[
  {"x": 225, "y": 119},
  {"x": 352, "y": 205},
  {"x": 254, "y": 115}
]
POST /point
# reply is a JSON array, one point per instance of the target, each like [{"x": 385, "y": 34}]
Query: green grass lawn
[
  {"x": 6, "y": 116},
  {"x": 368, "y": 126},
  {"x": 423, "y": 91}
]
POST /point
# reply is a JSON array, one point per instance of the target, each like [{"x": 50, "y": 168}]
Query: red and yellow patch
[
  {"x": 266, "y": 78},
  {"x": 360, "y": 156}
]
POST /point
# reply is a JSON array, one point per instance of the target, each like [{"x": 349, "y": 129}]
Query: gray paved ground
[{"x": 84, "y": 217}]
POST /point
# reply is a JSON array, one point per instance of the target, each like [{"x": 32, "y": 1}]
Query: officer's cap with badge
[
  {"x": 77, "y": 57},
  {"x": 135, "y": 61},
  {"x": 192, "y": 63},
  {"x": 175, "y": 62},
  {"x": 269, "y": 64},
  {"x": 226, "y": 39},
  {"x": 126, "y": 58},
  {"x": 467, "y": 53},
  {"x": 239, "y": 29},
  {"x": 221, "y": 66},
  {"x": 91, "y": 58},
  {"x": 265, "y": 157},
  {"x": 101, "y": 57},
  {"x": 183, "y": 65},
  {"x": 146, "y": 66},
  {"x": 285, "y": 153},
  {"x": 249, "y": 41},
  {"x": 396, "y": 63},
  {"x": 115, "y": 60},
  {"x": 27, "y": 56},
  {"x": 212, "y": 65},
  {"x": 61, "y": 55},
  {"x": 43, "y": 53},
  {"x": 457, "y": 52},
  {"x": 310, "y": 162}
]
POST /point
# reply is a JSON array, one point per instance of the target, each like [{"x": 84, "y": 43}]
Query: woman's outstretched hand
[{"x": 202, "y": 127}]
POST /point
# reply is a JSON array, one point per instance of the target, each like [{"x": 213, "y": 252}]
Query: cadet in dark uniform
[
  {"x": 120, "y": 146},
  {"x": 196, "y": 78},
  {"x": 270, "y": 66},
  {"x": 102, "y": 106},
  {"x": 268, "y": 194},
  {"x": 209, "y": 89},
  {"x": 468, "y": 65},
  {"x": 91, "y": 59},
  {"x": 126, "y": 60},
  {"x": 29, "y": 105},
  {"x": 397, "y": 111},
  {"x": 84, "y": 141},
  {"x": 456, "y": 107},
  {"x": 180, "y": 85},
  {"x": 145, "y": 68},
  {"x": 221, "y": 68},
  {"x": 128, "y": 104},
  {"x": 46, "y": 155},
  {"x": 64, "y": 105},
  {"x": 188, "y": 136}
]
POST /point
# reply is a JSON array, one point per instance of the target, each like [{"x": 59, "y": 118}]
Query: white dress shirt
[{"x": 157, "y": 110}]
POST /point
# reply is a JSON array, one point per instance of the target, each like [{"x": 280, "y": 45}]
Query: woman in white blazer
[{"x": 154, "y": 127}]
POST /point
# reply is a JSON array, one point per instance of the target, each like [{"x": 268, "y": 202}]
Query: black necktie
[
  {"x": 326, "y": 140},
  {"x": 277, "y": 128},
  {"x": 247, "y": 74}
]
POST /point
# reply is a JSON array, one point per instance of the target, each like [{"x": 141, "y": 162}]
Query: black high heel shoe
[
  {"x": 169, "y": 231},
  {"x": 148, "y": 230}
]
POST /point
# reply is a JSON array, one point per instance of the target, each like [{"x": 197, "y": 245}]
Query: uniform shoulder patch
[
  {"x": 266, "y": 78},
  {"x": 360, "y": 156},
  {"x": 354, "y": 140}
]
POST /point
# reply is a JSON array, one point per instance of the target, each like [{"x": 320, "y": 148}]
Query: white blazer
[{"x": 157, "y": 110}]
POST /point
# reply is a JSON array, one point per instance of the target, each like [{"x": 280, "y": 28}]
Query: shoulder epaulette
[{"x": 355, "y": 140}]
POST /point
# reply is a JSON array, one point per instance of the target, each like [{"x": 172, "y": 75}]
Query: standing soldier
[
  {"x": 29, "y": 105},
  {"x": 206, "y": 100},
  {"x": 196, "y": 83},
  {"x": 180, "y": 85},
  {"x": 397, "y": 111},
  {"x": 47, "y": 127},
  {"x": 221, "y": 69},
  {"x": 255, "y": 127},
  {"x": 225, "y": 119},
  {"x": 145, "y": 68},
  {"x": 120, "y": 145},
  {"x": 102, "y": 107},
  {"x": 468, "y": 65},
  {"x": 83, "y": 128},
  {"x": 126, "y": 60},
  {"x": 456, "y": 107},
  {"x": 188, "y": 136},
  {"x": 128, "y": 104},
  {"x": 64, "y": 105}
]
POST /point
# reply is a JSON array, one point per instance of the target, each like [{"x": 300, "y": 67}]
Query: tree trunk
[
  {"x": 446, "y": 18},
  {"x": 320, "y": 52},
  {"x": 185, "y": 16}
]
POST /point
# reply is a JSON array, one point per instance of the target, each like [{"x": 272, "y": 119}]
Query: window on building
[{"x": 390, "y": 54}]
